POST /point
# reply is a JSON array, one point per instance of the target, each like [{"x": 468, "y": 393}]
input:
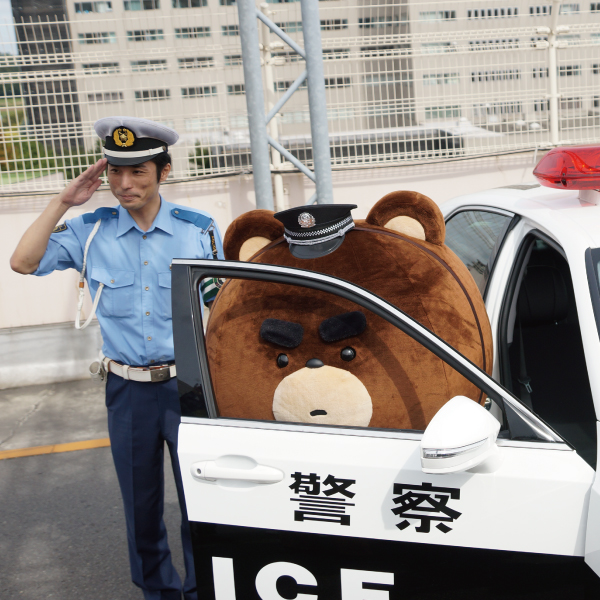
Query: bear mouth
[{"x": 318, "y": 413}]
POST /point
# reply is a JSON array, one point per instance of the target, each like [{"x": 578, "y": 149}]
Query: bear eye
[
  {"x": 348, "y": 354},
  {"x": 282, "y": 361}
]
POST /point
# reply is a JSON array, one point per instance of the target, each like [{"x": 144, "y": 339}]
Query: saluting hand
[{"x": 81, "y": 189}]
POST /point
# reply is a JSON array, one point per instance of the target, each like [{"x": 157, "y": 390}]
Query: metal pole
[
  {"x": 311, "y": 26},
  {"x": 255, "y": 102},
  {"x": 553, "y": 72},
  {"x": 272, "y": 122}
]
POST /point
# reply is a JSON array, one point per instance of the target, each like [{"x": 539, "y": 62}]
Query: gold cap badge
[{"x": 123, "y": 137}]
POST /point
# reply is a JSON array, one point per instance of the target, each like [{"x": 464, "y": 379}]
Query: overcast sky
[{"x": 7, "y": 33}]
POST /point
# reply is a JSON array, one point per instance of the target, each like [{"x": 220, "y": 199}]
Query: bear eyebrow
[
  {"x": 282, "y": 333},
  {"x": 342, "y": 326}
]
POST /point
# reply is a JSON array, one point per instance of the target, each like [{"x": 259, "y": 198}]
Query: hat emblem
[
  {"x": 123, "y": 137},
  {"x": 306, "y": 220}
]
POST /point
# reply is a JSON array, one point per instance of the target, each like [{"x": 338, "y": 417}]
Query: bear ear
[
  {"x": 410, "y": 213},
  {"x": 249, "y": 233}
]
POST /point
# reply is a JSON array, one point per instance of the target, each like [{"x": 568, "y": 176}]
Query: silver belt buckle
[{"x": 161, "y": 374}]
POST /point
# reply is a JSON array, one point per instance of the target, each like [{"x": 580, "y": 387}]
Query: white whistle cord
[{"x": 81, "y": 283}]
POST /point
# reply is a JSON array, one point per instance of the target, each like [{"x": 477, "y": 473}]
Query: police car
[{"x": 495, "y": 502}]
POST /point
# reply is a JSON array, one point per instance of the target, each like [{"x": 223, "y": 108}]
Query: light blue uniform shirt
[{"x": 134, "y": 311}]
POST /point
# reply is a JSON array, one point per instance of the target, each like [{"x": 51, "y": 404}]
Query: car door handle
[{"x": 209, "y": 471}]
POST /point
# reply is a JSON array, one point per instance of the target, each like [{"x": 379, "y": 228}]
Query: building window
[
  {"x": 596, "y": 102},
  {"x": 186, "y": 33},
  {"x": 378, "y": 22},
  {"x": 541, "y": 105},
  {"x": 442, "y": 112},
  {"x": 227, "y": 2},
  {"x": 201, "y": 124},
  {"x": 437, "y": 15},
  {"x": 540, "y": 72},
  {"x": 337, "y": 82},
  {"x": 570, "y": 103},
  {"x": 101, "y": 68},
  {"x": 596, "y": 69},
  {"x": 379, "y": 51},
  {"x": 299, "y": 116},
  {"x": 540, "y": 10},
  {"x": 378, "y": 78},
  {"x": 569, "y": 70},
  {"x": 441, "y": 79},
  {"x": 492, "y": 13},
  {"x": 438, "y": 47},
  {"x": 333, "y": 24},
  {"x": 85, "y": 8},
  {"x": 230, "y": 30},
  {"x": 290, "y": 26},
  {"x": 236, "y": 89},
  {"x": 203, "y": 91},
  {"x": 189, "y": 3},
  {"x": 495, "y": 75},
  {"x": 569, "y": 9},
  {"x": 105, "y": 97},
  {"x": 141, "y": 4},
  {"x": 595, "y": 7},
  {"x": 145, "y": 35},
  {"x": 497, "y": 108},
  {"x": 146, "y": 95},
  {"x": 101, "y": 37},
  {"x": 283, "y": 86},
  {"x": 196, "y": 62},
  {"x": 502, "y": 44},
  {"x": 329, "y": 54},
  {"x": 294, "y": 57},
  {"x": 233, "y": 60},
  {"x": 149, "y": 65}
]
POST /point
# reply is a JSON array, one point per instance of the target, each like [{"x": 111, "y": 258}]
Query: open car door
[{"x": 296, "y": 510}]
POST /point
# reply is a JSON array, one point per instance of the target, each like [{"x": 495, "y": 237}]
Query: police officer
[{"x": 127, "y": 267}]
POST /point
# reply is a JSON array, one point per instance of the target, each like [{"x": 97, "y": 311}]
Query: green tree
[
  {"x": 76, "y": 160},
  {"x": 200, "y": 160}
]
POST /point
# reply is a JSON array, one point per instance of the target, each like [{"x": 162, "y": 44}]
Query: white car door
[{"x": 284, "y": 510}]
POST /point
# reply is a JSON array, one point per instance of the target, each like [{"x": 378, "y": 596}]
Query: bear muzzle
[{"x": 325, "y": 395}]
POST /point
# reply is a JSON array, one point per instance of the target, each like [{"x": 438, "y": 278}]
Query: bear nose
[{"x": 314, "y": 363}]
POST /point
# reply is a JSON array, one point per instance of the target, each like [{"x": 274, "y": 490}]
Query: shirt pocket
[
  {"x": 164, "y": 295},
  {"x": 117, "y": 297}
]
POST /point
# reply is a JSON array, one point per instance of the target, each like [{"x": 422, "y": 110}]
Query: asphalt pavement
[{"x": 62, "y": 533}]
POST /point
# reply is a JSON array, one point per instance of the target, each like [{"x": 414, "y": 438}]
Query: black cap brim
[
  {"x": 316, "y": 250},
  {"x": 128, "y": 160}
]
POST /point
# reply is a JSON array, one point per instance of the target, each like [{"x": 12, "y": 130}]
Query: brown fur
[
  {"x": 407, "y": 384},
  {"x": 414, "y": 205}
]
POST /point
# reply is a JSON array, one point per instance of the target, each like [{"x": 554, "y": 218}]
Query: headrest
[{"x": 543, "y": 298}]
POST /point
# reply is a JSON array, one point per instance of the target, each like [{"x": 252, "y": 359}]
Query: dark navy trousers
[{"x": 141, "y": 418}]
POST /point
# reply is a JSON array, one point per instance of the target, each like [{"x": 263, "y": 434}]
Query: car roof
[{"x": 561, "y": 213}]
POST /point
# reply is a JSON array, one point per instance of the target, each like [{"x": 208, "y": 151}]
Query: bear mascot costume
[{"x": 300, "y": 355}]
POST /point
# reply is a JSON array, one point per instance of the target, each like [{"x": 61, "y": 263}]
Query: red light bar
[{"x": 570, "y": 168}]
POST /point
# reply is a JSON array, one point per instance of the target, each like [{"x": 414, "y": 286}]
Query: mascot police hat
[
  {"x": 314, "y": 231},
  {"x": 132, "y": 141}
]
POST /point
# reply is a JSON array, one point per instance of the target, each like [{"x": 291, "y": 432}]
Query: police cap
[
  {"x": 132, "y": 141},
  {"x": 314, "y": 231}
]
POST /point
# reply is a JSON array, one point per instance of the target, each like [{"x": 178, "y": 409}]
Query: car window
[
  {"x": 474, "y": 236},
  {"x": 417, "y": 371},
  {"x": 297, "y": 355},
  {"x": 542, "y": 353}
]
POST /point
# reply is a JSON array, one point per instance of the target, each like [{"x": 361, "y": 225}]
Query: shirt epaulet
[
  {"x": 198, "y": 219},
  {"x": 106, "y": 212}
]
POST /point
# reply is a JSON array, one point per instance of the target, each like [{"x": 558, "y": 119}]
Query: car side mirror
[{"x": 460, "y": 436}]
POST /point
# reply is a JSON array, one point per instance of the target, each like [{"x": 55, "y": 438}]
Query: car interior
[{"x": 542, "y": 356}]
